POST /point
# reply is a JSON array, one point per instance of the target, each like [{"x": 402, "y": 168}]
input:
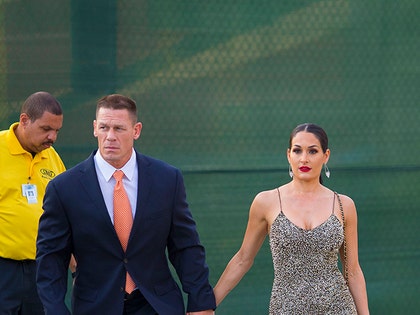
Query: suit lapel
[
  {"x": 143, "y": 189},
  {"x": 89, "y": 181}
]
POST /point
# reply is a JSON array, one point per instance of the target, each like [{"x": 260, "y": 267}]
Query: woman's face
[{"x": 306, "y": 156}]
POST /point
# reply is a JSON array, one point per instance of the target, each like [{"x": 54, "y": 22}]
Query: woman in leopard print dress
[{"x": 304, "y": 221}]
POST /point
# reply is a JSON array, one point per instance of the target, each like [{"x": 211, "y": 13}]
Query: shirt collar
[{"x": 108, "y": 170}]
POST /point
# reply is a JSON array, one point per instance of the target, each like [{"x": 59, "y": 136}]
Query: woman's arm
[
  {"x": 242, "y": 261},
  {"x": 356, "y": 279}
]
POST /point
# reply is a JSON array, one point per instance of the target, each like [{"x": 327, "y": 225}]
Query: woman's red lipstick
[{"x": 304, "y": 169}]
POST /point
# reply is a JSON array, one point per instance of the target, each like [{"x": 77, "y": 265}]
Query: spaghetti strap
[
  {"x": 341, "y": 206},
  {"x": 344, "y": 264},
  {"x": 278, "y": 192},
  {"x": 333, "y": 204}
]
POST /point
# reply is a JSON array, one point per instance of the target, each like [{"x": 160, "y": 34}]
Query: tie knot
[{"x": 118, "y": 175}]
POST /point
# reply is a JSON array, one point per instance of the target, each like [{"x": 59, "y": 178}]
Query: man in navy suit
[{"x": 78, "y": 219}]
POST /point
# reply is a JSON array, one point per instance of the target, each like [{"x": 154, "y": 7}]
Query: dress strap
[
  {"x": 333, "y": 205},
  {"x": 341, "y": 206},
  {"x": 278, "y": 192},
  {"x": 344, "y": 264}
]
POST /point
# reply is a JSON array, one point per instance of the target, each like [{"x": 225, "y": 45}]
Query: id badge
[{"x": 29, "y": 191}]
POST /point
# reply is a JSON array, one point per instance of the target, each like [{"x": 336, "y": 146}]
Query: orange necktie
[{"x": 123, "y": 219}]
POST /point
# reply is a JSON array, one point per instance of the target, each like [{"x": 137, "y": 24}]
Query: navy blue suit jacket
[{"x": 75, "y": 220}]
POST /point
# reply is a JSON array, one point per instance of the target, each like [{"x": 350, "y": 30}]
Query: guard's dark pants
[{"x": 18, "y": 292}]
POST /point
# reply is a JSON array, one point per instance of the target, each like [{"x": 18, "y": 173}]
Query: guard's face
[{"x": 41, "y": 133}]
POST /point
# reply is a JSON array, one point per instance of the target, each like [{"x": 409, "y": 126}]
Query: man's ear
[
  {"x": 24, "y": 119},
  {"x": 94, "y": 129},
  {"x": 137, "y": 130}
]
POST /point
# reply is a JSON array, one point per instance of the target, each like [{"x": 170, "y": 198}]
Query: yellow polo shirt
[{"x": 19, "y": 217}]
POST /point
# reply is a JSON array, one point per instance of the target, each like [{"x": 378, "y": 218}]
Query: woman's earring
[
  {"x": 290, "y": 171},
  {"x": 327, "y": 171}
]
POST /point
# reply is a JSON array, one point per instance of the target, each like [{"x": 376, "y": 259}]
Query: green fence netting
[{"x": 220, "y": 85}]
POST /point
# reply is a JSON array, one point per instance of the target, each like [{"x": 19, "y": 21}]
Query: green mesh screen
[{"x": 220, "y": 85}]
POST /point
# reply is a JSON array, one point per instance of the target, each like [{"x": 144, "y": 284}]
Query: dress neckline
[
  {"x": 332, "y": 215},
  {"x": 299, "y": 227}
]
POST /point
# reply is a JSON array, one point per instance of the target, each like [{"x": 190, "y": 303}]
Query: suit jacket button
[{"x": 125, "y": 260}]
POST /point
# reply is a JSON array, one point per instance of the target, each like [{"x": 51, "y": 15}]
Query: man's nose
[
  {"x": 53, "y": 135},
  {"x": 110, "y": 135}
]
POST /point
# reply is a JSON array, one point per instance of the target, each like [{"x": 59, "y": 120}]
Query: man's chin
[{"x": 110, "y": 157}]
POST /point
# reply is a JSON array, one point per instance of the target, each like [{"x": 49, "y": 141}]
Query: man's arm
[
  {"x": 53, "y": 255},
  {"x": 188, "y": 255}
]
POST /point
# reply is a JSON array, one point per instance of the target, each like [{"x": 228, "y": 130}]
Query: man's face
[
  {"x": 116, "y": 133},
  {"x": 41, "y": 133}
]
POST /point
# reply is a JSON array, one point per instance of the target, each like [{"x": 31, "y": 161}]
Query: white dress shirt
[{"x": 104, "y": 171}]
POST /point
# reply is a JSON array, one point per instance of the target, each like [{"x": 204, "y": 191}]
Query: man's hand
[{"x": 208, "y": 312}]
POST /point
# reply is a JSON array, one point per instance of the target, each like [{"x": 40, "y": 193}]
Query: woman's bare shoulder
[
  {"x": 266, "y": 204},
  {"x": 349, "y": 206},
  {"x": 346, "y": 200},
  {"x": 266, "y": 196}
]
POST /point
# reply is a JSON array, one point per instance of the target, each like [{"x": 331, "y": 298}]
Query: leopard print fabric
[{"x": 306, "y": 275}]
